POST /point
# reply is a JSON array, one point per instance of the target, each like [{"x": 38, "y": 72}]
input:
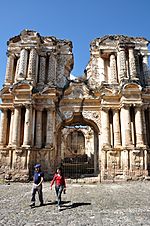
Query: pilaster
[
  {"x": 113, "y": 69},
  {"x": 51, "y": 78},
  {"x": 17, "y": 70},
  {"x": 126, "y": 126},
  {"x": 132, "y": 64},
  {"x": 42, "y": 70},
  {"x": 122, "y": 64},
  {"x": 38, "y": 143},
  {"x": 145, "y": 70},
  {"x": 105, "y": 127},
  {"x": 49, "y": 132},
  {"x": 27, "y": 126},
  {"x": 9, "y": 69},
  {"x": 3, "y": 128},
  {"x": 116, "y": 128},
  {"x": 145, "y": 159},
  {"x": 138, "y": 126},
  {"x": 32, "y": 67},
  {"x": 23, "y": 64},
  {"x": 101, "y": 69},
  {"x": 144, "y": 126},
  {"x": 16, "y": 126},
  {"x": 11, "y": 127}
]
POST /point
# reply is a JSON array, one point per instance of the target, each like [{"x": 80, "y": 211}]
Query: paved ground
[{"x": 123, "y": 204}]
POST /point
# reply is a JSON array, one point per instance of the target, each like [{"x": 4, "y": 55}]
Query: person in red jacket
[{"x": 60, "y": 184}]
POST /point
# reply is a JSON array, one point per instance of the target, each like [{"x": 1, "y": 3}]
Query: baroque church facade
[{"x": 97, "y": 125}]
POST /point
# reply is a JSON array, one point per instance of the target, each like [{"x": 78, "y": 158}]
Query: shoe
[
  {"x": 58, "y": 208},
  {"x": 32, "y": 204},
  {"x": 41, "y": 204}
]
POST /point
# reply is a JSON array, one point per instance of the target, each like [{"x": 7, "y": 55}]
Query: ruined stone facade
[{"x": 97, "y": 124}]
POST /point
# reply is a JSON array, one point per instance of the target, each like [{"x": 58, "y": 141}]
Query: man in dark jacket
[{"x": 37, "y": 185}]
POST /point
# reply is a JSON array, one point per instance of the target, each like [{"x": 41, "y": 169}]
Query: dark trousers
[
  {"x": 40, "y": 193},
  {"x": 59, "y": 189}
]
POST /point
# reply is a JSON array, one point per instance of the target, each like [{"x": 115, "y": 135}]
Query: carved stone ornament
[
  {"x": 19, "y": 152},
  {"x": 4, "y": 153},
  {"x": 92, "y": 115},
  {"x": 68, "y": 114}
]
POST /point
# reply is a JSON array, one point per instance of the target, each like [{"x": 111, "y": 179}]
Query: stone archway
[{"x": 78, "y": 147}]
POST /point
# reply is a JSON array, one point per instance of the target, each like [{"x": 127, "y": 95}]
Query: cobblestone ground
[{"x": 123, "y": 204}]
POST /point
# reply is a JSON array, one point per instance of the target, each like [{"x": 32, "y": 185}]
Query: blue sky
[{"x": 80, "y": 21}]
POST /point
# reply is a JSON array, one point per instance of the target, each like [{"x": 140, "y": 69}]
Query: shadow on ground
[
  {"x": 75, "y": 205},
  {"x": 65, "y": 204}
]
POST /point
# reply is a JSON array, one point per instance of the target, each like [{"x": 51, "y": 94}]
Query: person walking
[
  {"x": 37, "y": 185},
  {"x": 60, "y": 185}
]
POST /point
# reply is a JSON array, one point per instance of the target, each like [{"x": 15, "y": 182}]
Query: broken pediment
[
  {"x": 22, "y": 86},
  {"x": 76, "y": 90},
  {"x": 47, "y": 91},
  {"x": 26, "y": 36},
  {"x": 4, "y": 91},
  {"x": 109, "y": 92},
  {"x": 132, "y": 87},
  {"x": 50, "y": 40},
  {"x": 62, "y": 45},
  {"x": 114, "y": 41}
]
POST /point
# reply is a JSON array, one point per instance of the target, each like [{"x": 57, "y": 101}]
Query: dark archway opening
[{"x": 78, "y": 147}]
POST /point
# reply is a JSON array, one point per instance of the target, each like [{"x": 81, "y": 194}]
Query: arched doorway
[{"x": 78, "y": 147}]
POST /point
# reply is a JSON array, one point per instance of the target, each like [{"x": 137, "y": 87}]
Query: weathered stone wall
[
  {"x": 40, "y": 100},
  {"x": 37, "y": 66},
  {"x": 117, "y": 72}
]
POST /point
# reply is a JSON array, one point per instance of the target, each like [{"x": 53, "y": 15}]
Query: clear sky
[{"x": 80, "y": 21}]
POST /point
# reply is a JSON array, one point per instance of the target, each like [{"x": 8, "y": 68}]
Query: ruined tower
[{"x": 95, "y": 125}]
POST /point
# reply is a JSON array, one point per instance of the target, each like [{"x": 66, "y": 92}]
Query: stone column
[
  {"x": 145, "y": 159},
  {"x": 145, "y": 70},
  {"x": 116, "y": 128},
  {"x": 17, "y": 70},
  {"x": 42, "y": 70},
  {"x": 38, "y": 142},
  {"x": 126, "y": 126},
  {"x": 101, "y": 69},
  {"x": 23, "y": 64},
  {"x": 137, "y": 63},
  {"x": 51, "y": 79},
  {"x": 122, "y": 64},
  {"x": 138, "y": 127},
  {"x": 33, "y": 127},
  {"x": 27, "y": 126},
  {"x": 11, "y": 127},
  {"x": 16, "y": 126},
  {"x": 113, "y": 69},
  {"x": 9, "y": 69},
  {"x": 103, "y": 164},
  {"x": 148, "y": 126},
  {"x": 54, "y": 128},
  {"x": 118, "y": 65},
  {"x": 132, "y": 64},
  {"x": 125, "y": 162},
  {"x": 3, "y": 128},
  {"x": 49, "y": 134},
  {"x": 144, "y": 126},
  {"x": 32, "y": 68},
  {"x": 105, "y": 127}
]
